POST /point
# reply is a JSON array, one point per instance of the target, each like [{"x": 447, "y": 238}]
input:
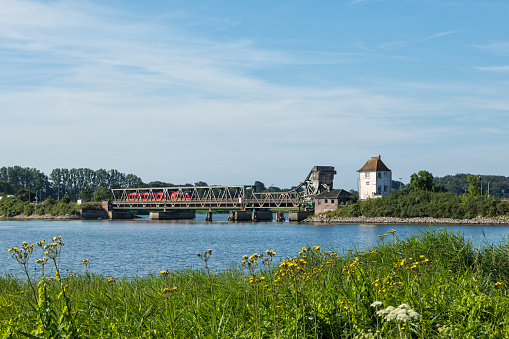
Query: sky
[{"x": 229, "y": 92}]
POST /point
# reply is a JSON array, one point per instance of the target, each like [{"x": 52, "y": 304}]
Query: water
[{"x": 142, "y": 247}]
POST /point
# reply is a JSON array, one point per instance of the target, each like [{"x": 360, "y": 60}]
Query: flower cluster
[
  {"x": 52, "y": 250},
  {"x": 205, "y": 256},
  {"x": 368, "y": 334},
  {"x": 256, "y": 281},
  {"x": 411, "y": 263},
  {"x": 22, "y": 255},
  {"x": 447, "y": 330},
  {"x": 401, "y": 314},
  {"x": 170, "y": 290},
  {"x": 351, "y": 268}
]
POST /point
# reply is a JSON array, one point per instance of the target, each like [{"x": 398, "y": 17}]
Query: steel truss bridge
[
  {"x": 223, "y": 197},
  {"x": 213, "y": 197}
]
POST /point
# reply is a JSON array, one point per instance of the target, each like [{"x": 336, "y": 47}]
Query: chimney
[{"x": 379, "y": 157}]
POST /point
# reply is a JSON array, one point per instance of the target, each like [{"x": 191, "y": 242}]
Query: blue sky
[{"x": 230, "y": 92}]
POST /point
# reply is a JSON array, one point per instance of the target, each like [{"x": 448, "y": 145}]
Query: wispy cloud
[
  {"x": 440, "y": 34},
  {"x": 494, "y": 68},
  {"x": 496, "y": 48}
]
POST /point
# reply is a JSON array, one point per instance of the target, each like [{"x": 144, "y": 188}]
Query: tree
[
  {"x": 200, "y": 184},
  {"x": 259, "y": 186},
  {"x": 422, "y": 181},
  {"x": 474, "y": 188},
  {"x": 6, "y": 187}
]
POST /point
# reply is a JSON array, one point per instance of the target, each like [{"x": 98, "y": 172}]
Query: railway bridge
[{"x": 242, "y": 201}]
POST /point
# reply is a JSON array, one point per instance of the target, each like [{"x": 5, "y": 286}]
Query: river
[{"x": 142, "y": 247}]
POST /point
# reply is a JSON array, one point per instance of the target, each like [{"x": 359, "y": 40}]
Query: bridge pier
[
  {"x": 119, "y": 214},
  {"x": 208, "y": 217},
  {"x": 250, "y": 216},
  {"x": 172, "y": 215},
  {"x": 299, "y": 215},
  {"x": 280, "y": 216}
]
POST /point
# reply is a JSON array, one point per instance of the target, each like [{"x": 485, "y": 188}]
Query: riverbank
[
  {"x": 42, "y": 217},
  {"x": 323, "y": 218}
]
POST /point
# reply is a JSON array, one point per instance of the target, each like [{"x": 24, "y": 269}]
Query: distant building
[
  {"x": 329, "y": 201},
  {"x": 375, "y": 179}
]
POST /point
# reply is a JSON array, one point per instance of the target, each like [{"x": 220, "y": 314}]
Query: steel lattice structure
[
  {"x": 223, "y": 197},
  {"x": 214, "y": 197}
]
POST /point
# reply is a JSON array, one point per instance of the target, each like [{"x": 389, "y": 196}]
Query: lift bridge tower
[{"x": 320, "y": 179}]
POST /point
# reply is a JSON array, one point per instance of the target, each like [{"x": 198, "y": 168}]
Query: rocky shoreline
[
  {"x": 420, "y": 220},
  {"x": 43, "y": 217}
]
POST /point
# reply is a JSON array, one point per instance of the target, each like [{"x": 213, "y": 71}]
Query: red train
[{"x": 159, "y": 196}]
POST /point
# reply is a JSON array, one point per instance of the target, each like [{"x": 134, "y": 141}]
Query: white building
[{"x": 375, "y": 179}]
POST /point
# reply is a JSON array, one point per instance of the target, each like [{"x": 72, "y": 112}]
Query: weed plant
[{"x": 432, "y": 285}]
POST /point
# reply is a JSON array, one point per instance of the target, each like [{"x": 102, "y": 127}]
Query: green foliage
[
  {"x": 423, "y": 181},
  {"x": 474, "y": 188},
  {"x": 6, "y": 188},
  {"x": 259, "y": 186},
  {"x": 99, "y": 194},
  {"x": 10, "y": 207},
  {"x": 444, "y": 286},
  {"x": 422, "y": 203},
  {"x": 458, "y": 184}
]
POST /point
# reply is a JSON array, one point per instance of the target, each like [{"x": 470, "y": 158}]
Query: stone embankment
[
  {"x": 421, "y": 220},
  {"x": 44, "y": 217}
]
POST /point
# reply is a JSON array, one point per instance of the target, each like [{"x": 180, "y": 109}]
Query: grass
[{"x": 431, "y": 285}]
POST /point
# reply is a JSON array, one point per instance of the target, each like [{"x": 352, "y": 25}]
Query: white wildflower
[
  {"x": 402, "y": 314},
  {"x": 376, "y": 304}
]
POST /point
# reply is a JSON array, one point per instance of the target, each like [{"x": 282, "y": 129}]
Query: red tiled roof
[{"x": 374, "y": 164}]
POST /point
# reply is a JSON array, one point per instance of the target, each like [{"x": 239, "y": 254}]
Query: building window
[
  {"x": 367, "y": 174},
  {"x": 379, "y": 175},
  {"x": 319, "y": 202},
  {"x": 325, "y": 200},
  {"x": 332, "y": 201},
  {"x": 385, "y": 188},
  {"x": 367, "y": 182},
  {"x": 379, "y": 189}
]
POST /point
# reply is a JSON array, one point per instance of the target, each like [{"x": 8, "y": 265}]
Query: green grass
[{"x": 451, "y": 289}]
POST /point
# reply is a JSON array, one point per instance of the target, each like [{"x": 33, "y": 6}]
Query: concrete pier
[
  {"x": 250, "y": 216},
  {"x": 120, "y": 214},
  {"x": 299, "y": 215},
  {"x": 208, "y": 217},
  {"x": 91, "y": 213},
  {"x": 280, "y": 216},
  {"x": 172, "y": 215}
]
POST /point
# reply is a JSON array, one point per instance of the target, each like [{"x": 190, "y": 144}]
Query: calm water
[{"x": 143, "y": 247}]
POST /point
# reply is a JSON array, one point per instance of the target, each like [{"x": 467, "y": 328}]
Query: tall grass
[{"x": 431, "y": 285}]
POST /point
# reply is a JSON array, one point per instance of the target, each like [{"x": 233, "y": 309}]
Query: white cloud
[{"x": 504, "y": 68}]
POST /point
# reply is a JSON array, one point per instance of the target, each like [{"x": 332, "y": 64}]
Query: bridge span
[
  {"x": 231, "y": 198},
  {"x": 213, "y": 197}
]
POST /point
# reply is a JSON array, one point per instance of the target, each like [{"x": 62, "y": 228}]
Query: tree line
[
  {"x": 62, "y": 182},
  {"x": 30, "y": 184}
]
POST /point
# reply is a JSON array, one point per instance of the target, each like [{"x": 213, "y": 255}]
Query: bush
[{"x": 426, "y": 204}]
